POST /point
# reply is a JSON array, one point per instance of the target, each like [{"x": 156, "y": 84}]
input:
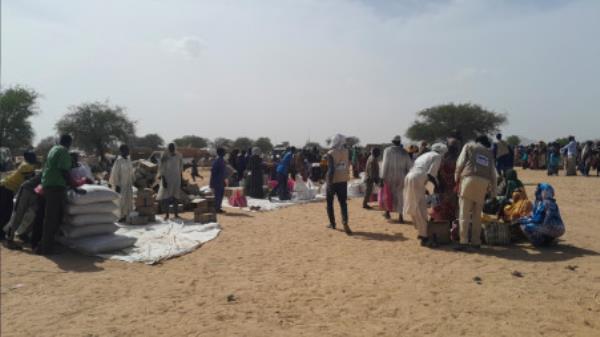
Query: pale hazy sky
[{"x": 293, "y": 70}]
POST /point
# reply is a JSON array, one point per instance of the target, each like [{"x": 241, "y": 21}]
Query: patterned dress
[{"x": 545, "y": 225}]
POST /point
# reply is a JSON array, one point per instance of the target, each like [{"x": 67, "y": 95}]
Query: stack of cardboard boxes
[
  {"x": 144, "y": 207},
  {"x": 205, "y": 210}
]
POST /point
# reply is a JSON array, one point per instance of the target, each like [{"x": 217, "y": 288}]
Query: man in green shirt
[{"x": 55, "y": 178}]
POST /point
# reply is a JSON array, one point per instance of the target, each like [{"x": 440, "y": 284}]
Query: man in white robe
[
  {"x": 170, "y": 169},
  {"x": 425, "y": 169},
  {"x": 121, "y": 179},
  {"x": 396, "y": 164}
]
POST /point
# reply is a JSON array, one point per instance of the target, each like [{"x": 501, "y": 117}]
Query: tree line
[{"x": 98, "y": 127}]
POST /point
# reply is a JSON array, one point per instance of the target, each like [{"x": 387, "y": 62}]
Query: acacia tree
[
  {"x": 467, "y": 120},
  {"x": 96, "y": 126},
  {"x": 17, "y": 106},
  {"x": 151, "y": 140},
  {"x": 191, "y": 141},
  {"x": 44, "y": 146},
  {"x": 243, "y": 143},
  {"x": 513, "y": 140},
  {"x": 264, "y": 144},
  {"x": 225, "y": 143}
]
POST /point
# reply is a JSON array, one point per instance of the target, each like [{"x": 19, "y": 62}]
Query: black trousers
[
  {"x": 55, "y": 204},
  {"x": 368, "y": 192},
  {"x": 6, "y": 207},
  {"x": 341, "y": 190}
]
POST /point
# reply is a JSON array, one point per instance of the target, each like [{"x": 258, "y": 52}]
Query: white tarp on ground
[
  {"x": 163, "y": 240},
  {"x": 274, "y": 204}
]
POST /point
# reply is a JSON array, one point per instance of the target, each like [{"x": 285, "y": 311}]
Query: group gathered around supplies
[{"x": 452, "y": 183}]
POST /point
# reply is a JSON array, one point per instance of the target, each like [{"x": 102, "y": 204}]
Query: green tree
[
  {"x": 17, "y": 106},
  {"x": 191, "y": 141},
  {"x": 467, "y": 120},
  {"x": 513, "y": 140},
  {"x": 44, "y": 146},
  {"x": 243, "y": 143},
  {"x": 151, "y": 140},
  {"x": 96, "y": 126},
  {"x": 264, "y": 144},
  {"x": 225, "y": 143},
  {"x": 352, "y": 141}
]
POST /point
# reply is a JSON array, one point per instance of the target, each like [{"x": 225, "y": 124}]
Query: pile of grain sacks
[{"x": 89, "y": 222}]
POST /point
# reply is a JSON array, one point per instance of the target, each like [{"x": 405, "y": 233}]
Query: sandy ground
[{"x": 286, "y": 275}]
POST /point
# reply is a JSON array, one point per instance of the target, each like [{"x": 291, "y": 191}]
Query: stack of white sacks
[{"x": 89, "y": 222}]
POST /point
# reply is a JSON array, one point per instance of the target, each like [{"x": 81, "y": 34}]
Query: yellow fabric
[
  {"x": 18, "y": 177},
  {"x": 520, "y": 207}
]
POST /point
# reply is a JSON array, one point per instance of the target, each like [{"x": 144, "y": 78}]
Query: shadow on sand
[
  {"x": 380, "y": 236},
  {"x": 71, "y": 261},
  {"x": 524, "y": 252}
]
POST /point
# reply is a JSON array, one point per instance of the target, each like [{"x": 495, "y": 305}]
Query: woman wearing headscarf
[
  {"x": 518, "y": 207},
  {"x": 11, "y": 184},
  {"x": 254, "y": 175},
  {"x": 338, "y": 165},
  {"x": 425, "y": 169},
  {"x": 446, "y": 210},
  {"x": 545, "y": 224}
]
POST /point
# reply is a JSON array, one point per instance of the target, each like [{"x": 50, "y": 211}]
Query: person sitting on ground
[
  {"x": 519, "y": 206},
  {"x": 545, "y": 225},
  {"x": 508, "y": 185},
  {"x": 371, "y": 175},
  {"x": 11, "y": 184}
]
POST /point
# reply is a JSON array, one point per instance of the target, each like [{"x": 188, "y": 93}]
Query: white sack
[
  {"x": 101, "y": 207},
  {"x": 91, "y": 219},
  {"x": 74, "y": 232},
  {"x": 99, "y": 244},
  {"x": 94, "y": 194}
]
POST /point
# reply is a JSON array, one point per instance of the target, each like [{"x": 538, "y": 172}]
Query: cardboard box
[
  {"x": 146, "y": 211},
  {"x": 439, "y": 230},
  {"x": 138, "y": 220},
  {"x": 204, "y": 218}
]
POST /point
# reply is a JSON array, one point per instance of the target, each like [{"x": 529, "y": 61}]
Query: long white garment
[
  {"x": 396, "y": 164},
  {"x": 170, "y": 167},
  {"x": 414, "y": 192},
  {"x": 122, "y": 175}
]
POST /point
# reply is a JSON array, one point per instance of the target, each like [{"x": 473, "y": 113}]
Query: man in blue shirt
[{"x": 282, "y": 175}]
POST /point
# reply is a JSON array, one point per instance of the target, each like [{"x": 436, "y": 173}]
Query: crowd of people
[{"x": 467, "y": 181}]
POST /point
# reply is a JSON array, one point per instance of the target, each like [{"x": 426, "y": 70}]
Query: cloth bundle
[
  {"x": 91, "y": 217},
  {"x": 238, "y": 199}
]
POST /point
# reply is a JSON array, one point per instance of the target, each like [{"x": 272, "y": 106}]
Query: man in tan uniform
[
  {"x": 337, "y": 180},
  {"x": 476, "y": 171}
]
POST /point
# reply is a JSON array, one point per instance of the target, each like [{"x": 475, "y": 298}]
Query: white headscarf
[
  {"x": 439, "y": 148},
  {"x": 338, "y": 141}
]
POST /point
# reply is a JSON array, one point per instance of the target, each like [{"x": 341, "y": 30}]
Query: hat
[{"x": 397, "y": 139}]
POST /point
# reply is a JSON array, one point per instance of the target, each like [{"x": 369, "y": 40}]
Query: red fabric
[
  {"x": 238, "y": 199},
  {"x": 291, "y": 184},
  {"x": 386, "y": 200},
  {"x": 272, "y": 184}
]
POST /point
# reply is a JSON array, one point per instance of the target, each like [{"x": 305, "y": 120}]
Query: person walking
[
  {"x": 425, "y": 169},
  {"x": 217, "y": 179},
  {"x": 371, "y": 175},
  {"x": 55, "y": 177},
  {"x": 170, "y": 169},
  {"x": 338, "y": 174},
  {"x": 396, "y": 164},
  {"x": 121, "y": 179},
  {"x": 476, "y": 172}
]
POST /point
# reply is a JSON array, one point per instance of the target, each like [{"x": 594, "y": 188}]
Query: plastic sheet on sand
[
  {"x": 163, "y": 240},
  {"x": 274, "y": 204}
]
